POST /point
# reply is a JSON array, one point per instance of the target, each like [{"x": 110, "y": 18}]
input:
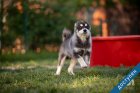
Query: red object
[{"x": 115, "y": 51}]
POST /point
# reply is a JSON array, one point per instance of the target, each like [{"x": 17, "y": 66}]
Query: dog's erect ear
[
  {"x": 75, "y": 26},
  {"x": 89, "y": 27}
]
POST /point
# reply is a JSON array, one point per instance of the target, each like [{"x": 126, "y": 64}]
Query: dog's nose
[{"x": 85, "y": 31}]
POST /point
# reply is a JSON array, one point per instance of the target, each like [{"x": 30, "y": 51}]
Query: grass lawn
[{"x": 34, "y": 73}]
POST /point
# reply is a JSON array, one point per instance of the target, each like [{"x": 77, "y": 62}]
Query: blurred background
[{"x": 36, "y": 25}]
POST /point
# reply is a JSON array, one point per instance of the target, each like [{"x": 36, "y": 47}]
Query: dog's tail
[{"x": 66, "y": 34}]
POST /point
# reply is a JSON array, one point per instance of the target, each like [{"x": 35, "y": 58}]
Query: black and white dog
[{"x": 76, "y": 46}]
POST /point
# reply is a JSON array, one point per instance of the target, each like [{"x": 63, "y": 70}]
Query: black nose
[{"x": 85, "y": 31}]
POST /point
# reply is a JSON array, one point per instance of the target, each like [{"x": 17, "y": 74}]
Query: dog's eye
[
  {"x": 87, "y": 26},
  {"x": 81, "y": 25}
]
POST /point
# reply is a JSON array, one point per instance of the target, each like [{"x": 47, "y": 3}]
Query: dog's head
[{"x": 82, "y": 29}]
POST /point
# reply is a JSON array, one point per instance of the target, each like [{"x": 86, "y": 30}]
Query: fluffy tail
[{"x": 66, "y": 34}]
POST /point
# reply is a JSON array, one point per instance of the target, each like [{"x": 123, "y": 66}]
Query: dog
[{"x": 76, "y": 46}]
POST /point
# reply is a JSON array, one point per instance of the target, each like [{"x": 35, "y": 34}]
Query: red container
[{"x": 115, "y": 51}]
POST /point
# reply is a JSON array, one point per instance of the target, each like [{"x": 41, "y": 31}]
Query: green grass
[{"x": 36, "y": 75}]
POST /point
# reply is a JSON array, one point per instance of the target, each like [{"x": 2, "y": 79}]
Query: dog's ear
[
  {"x": 75, "y": 26},
  {"x": 89, "y": 27}
]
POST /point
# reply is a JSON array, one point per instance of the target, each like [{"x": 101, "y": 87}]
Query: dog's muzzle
[{"x": 85, "y": 31}]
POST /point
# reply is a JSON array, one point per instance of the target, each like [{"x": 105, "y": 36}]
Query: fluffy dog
[{"x": 76, "y": 46}]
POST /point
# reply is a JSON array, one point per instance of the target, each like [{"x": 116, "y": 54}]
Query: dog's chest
[
  {"x": 81, "y": 51},
  {"x": 82, "y": 48},
  {"x": 82, "y": 45}
]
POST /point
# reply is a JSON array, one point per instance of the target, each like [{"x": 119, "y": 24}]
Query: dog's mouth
[
  {"x": 83, "y": 32},
  {"x": 83, "y": 37}
]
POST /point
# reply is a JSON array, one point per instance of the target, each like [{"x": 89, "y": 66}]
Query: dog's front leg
[
  {"x": 87, "y": 57},
  {"x": 81, "y": 62},
  {"x": 79, "y": 58},
  {"x": 71, "y": 67}
]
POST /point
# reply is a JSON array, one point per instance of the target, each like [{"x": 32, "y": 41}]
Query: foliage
[
  {"x": 43, "y": 24},
  {"x": 40, "y": 23}
]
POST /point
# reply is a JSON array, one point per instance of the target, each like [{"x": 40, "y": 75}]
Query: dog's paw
[
  {"x": 71, "y": 73},
  {"x": 56, "y": 74},
  {"x": 84, "y": 67}
]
